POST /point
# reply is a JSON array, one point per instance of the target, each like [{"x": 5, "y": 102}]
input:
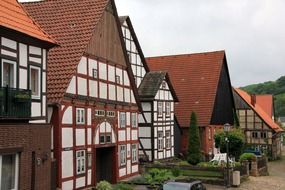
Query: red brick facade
[{"x": 25, "y": 139}]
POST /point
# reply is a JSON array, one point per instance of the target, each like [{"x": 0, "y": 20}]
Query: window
[
  {"x": 167, "y": 139},
  {"x": 35, "y": 81},
  {"x": 105, "y": 138},
  {"x": 100, "y": 113},
  {"x": 80, "y": 162},
  {"x": 134, "y": 153},
  {"x": 108, "y": 138},
  {"x": 8, "y": 73},
  {"x": 89, "y": 160},
  {"x": 122, "y": 155},
  {"x": 9, "y": 171},
  {"x": 80, "y": 116},
  {"x": 160, "y": 109},
  {"x": 263, "y": 135},
  {"x": 160, "y": 140},
  {"x": 134, "y": 120},
  {"x": 163, "y": 85},
  {"x": 95, "y": 73},
  {"x": 122, "y": 119},
  {"x": 102, "y": 139},
  {"x": 254, "y": 135},
  {"x": 167, "y": 108},
  {"x": 110, "y": 114},
  {"x": 118, "y": 79}
]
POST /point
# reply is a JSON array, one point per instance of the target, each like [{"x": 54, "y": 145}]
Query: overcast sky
[{"x": 252, "y": 32}]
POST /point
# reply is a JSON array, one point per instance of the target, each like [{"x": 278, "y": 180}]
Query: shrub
[
  {"x": 175, "y": 172},
  {"x": 123, "y": 186},
  {"x": 194, "y": 154},
  {"x": 158, "y": 176},
  {"x": 247, "y": 156},
  {"x": 104, "y": 185}
]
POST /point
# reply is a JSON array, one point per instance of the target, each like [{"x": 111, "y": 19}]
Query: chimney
[{"x": 253, "y": 99}]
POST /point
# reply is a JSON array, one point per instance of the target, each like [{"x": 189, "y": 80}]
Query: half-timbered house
[
  {"x": 157, "y": 96},
  {"x": 24, "y": 132},
  {"x": 202, "y": 84},
  {"x": 261, "y": 132},
  {"x": 92, "y": 94}
]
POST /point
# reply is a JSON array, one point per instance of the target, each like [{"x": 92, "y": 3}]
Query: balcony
[{"x": 15, "y": 103}]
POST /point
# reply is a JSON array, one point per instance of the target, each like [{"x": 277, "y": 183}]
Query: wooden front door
[{"x": 105, "y": 167}]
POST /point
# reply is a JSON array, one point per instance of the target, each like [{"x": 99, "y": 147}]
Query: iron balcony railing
[{"x": 15, "y": 103}]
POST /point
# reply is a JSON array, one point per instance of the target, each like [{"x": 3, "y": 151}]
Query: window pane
[
  {"x": 35, "y": 81},
  {"x": 8, "y": 75},
  {"x": 8, "y": 169}
]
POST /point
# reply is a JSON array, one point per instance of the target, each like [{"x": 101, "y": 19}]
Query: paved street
[{"x": 275, "y": 180}]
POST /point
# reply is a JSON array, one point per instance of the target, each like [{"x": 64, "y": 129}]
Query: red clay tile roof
[
  {"x": 195, "y": 79},
  {"x": 14, "y": 16},
  {"x": 71, "y": 23},
  {"x": 265, "y": 101},
  {"x": 258, "y": 110}
]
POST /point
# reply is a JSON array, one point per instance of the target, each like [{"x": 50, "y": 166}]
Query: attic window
[{"x": 163, "y": 85}]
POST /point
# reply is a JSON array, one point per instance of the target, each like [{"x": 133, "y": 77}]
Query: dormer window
[
  {"x": 8, "y": 73},
  {"x": 35, "y": 81}
]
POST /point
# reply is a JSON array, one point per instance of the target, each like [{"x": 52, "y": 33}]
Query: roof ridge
[{"x": 187, "y": 54}]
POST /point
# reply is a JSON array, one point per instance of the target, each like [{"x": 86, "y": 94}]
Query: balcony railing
[{"x": 15, "y": 103}]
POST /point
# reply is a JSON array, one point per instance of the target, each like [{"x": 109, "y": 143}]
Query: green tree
[
  {"x": 194, "y": 154},
  {"x": 236, "y": 142}
]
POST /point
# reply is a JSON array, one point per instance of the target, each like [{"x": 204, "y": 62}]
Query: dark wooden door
[{"x": 104, "y": 164}]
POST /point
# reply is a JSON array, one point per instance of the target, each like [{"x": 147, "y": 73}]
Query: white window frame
[
  {"x": 168, "y": 139},
  {"x": 100, "y": 113},
  {"x": 16, "y": 170},
  {"x": 122, "y": 118},
  {"x": 159, "y": 140},
  {"x": 80, "y": 162},
  {"x": 168, "y": 108},
  {"x": 134, "y": 120},
  {"x": 111, "y": 113},
  {"x": 38, "y": 96},
  {"x": 160, "y": 109},
  {"x": 123, "y": 155},
  {"x": 80, "y": 116},
  {"x": 134, "y": 153},
  {"x": 15, "y": 71}
]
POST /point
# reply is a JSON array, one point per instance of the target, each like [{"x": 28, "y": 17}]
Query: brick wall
[{"x": 26, "y": 139}]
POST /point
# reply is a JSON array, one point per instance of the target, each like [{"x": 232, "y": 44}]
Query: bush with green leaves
[
  {"x": 236, "y": 141},
  {"x": 104, "y": 185},
  {"x": 194, "y": 154},
  {"x": 158, "y": 176},
  {"x": 175, "y": 172},
  {"x": 247, "y": 156},
  {"x": 123, "y": 186}
]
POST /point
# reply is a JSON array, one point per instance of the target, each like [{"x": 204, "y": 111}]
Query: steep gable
[{"x": 195, "y": 78}]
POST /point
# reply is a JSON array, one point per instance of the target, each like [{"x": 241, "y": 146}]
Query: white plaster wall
[
  {"x": 145, "y": 131},
  {"x": 36, "y": 109},
  {"x": 122, "y": 135},
  {"x": 126, "y": 79},
  {"x": 92, "y": 65},
  {"x": 141, "y": 119},
  {"x": 80, "y": 137},
  {"x": 67, "y": 137},
  {"x": 129, "y": 167},
  {"x": 93, "y": 88},
  {"x": 23, "y": 77},
  {"x": 128, "y": 134},
  {"x": 133, "y": 100},
  {"x": 89, "y": 116},
  {"x": 35, "y": 59},
  {"x": 122, "y": 172},
  {"x": 82, "y": 86},
  {"x": 147, "y": 117},
  {"x": 44, "y": 104},
  {"x": 67, "y": 164},
  {"x": 120, "y": 92},
  {"x": 89, "y": 136},
  {"x": 9, "y": 53},
  {"x": 9, "y": 43},
  {"x": 96, "y": 140},
  {"x": 127, "y": 95},
  {"x": 146, "y": 143},
  {"x": 111, "y": 73},
  {"x": 128, "y": 118},
  {"x": 72, "y": 86},
  {"x": 35, "y": 50},
  {"x": 44, "y": 82},
  {"x": 112, "y": 92},
  {"x": 67, "y": 185},
  {"x": 82, "y": 66},
  {"x": 103, "y": 90},
  {"x": 134, "y": 134},
  {"x": 146, "y": 106},
  {"x": 135, "y": 168},
  {"x": 67, "y": 116},
  {"x": 102, "y": 71},
  {"x": 23, "y": 54},
  {"x": 89, "y": 175},
  {"x": 80, "y": 182},
  {"x": 108, "y": 127},
  {"x": 44, "y": 59}
]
